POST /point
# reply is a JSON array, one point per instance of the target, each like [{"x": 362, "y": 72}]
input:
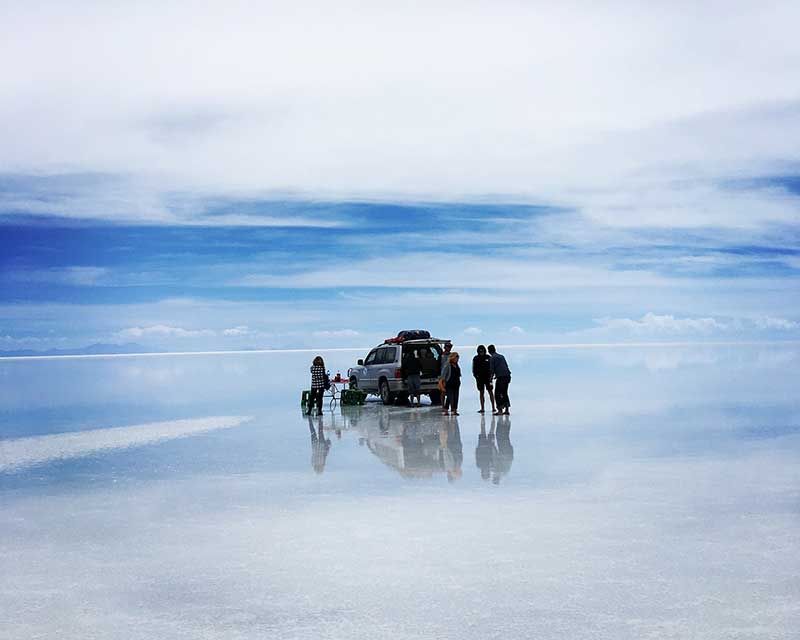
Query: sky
[{"x": 297, "y": 175}]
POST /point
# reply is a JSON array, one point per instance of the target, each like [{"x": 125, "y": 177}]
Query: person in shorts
[
  {"x": 411, "y": 373},
  {"x": 482, "y": 372}
]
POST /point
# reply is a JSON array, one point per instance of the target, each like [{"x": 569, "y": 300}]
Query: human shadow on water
[
  {"x": 505, "y": 451},
  {"x": 416, "y": 444},
  {"x": 320, "y": 446},
  {"x": 451, "y": 451},
  {"x": 495, "y": 453}
]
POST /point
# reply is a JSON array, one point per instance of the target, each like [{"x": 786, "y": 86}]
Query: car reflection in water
[{"x": 416, "y": 444}]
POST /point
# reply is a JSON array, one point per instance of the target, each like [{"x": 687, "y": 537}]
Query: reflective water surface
[{"x": 631, "y": 493}]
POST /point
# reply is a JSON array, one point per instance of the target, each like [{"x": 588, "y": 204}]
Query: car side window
[
  {"x": 389, "y": 355},
  {"x": 371, "y": 357}
]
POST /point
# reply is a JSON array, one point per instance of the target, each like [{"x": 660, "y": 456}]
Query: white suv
[{"x": 380, "y": 373}]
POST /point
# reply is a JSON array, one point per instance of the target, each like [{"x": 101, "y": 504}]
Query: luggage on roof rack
[
  {"x": 409, "y": 334},
  {"x": 414, "y": 334}
]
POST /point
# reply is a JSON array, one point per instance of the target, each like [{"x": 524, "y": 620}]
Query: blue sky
[{"x": 299, "y": 175}]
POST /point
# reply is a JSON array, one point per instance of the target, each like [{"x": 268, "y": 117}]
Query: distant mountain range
[{"x": 91, "y": 350}]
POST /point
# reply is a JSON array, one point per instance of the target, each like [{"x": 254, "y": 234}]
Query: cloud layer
[
  {"x": 632, "y": 114},
  {"x": 300, "y": 171}
]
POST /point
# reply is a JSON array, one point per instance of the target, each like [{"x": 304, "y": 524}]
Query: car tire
[
  {"x": 387, "y": 397},
  {"x": 436, "y": 397},
  {"x": 353, "y": 382}
]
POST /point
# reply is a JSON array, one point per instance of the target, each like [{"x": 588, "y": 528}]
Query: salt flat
[{"x": 633, "y": 493}]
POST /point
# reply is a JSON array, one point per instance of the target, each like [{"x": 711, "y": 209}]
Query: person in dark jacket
[
  {"x": 482, "y": 372},
  {"x": 502, "y": 374},
  {"x": 317, "y": 384},
  {"x": 412, "y": 369},
  {"x": 452, "y": 385}
]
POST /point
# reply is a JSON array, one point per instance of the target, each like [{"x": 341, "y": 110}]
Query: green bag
[{"x": 351, "y": 397}]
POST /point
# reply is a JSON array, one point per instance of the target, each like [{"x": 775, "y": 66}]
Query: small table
[
  {"x": 335, "y": 392},
  {"x": 334, "y": 395}
]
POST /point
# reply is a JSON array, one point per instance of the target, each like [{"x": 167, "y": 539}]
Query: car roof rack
[{"x": 422, "y": 341}]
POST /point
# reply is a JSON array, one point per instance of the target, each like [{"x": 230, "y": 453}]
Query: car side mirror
[{"x": 360, "y": 363}]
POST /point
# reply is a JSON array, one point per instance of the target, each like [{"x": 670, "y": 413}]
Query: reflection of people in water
[
  {"x": 505, "y": 452},
  {"x": 319, "y": 445},
  {"x": 451, "y": 451},
  {"x": 486, "y": 452},
  {"x": 415, "y": 444}
]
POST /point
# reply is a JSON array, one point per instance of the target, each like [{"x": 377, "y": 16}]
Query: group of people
[{"x": 489, "y": 368}]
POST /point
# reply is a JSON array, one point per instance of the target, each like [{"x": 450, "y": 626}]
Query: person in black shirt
[{"x": 482, "y": 372}]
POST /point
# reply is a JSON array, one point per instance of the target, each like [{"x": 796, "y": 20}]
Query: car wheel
[
  {"x": 386, "y": 395},
  {"x": 353, "y": 382}
]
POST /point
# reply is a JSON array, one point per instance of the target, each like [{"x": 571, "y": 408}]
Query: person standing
[
  {"x": 502, "y": 374},
  {"x": 317, "y": 385},
  {"x": 482, "y": 372},
  {"x": 411, "y": 372},
  {"x": 444, "y": 365},
  {"x": 452, "y": 385}
]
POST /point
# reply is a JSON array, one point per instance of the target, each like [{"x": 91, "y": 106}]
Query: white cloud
[
  {"x": 71, "y": 275},
  {"x": 517, "y": 331},
  {"x": 464, "y": 269},
  {"x": 650, "y": 323},
  {"x": 776, "y": 323},
  {"x": 237, "y": 331},
  {"x": 164, "y": 331},
  {"x": 654, "y": 324},
  {"x": 337, "y": 333},
  {"x": 10, "y": 340},
  {"x": 472, "y": 331},
  {"x": 610, "y": 111}
]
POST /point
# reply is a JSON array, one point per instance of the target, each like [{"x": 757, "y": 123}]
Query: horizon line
[{"x": 544, "y": 345}]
